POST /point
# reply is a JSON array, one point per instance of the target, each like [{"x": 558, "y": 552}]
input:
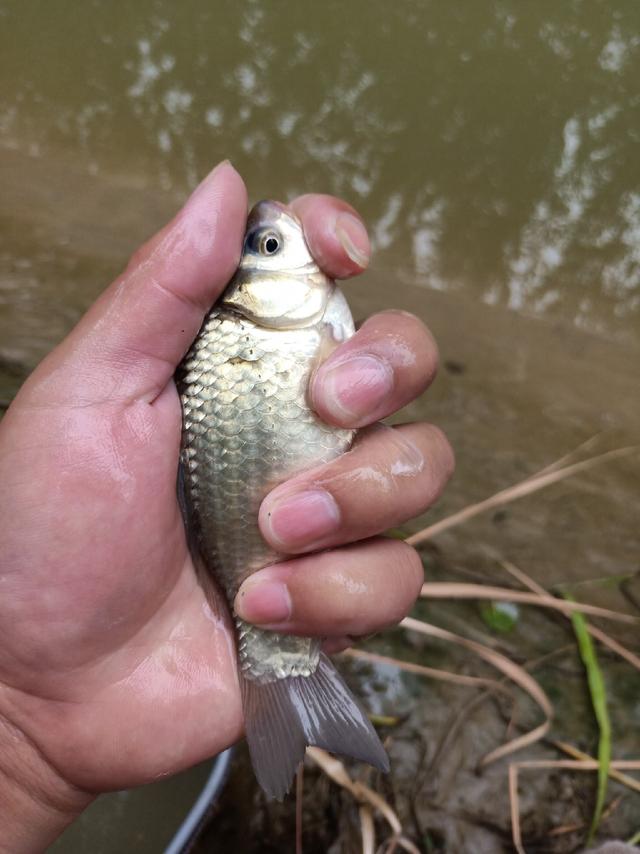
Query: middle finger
[
  {"x": 389, "y": 361},
  {"x": 389, "y": 476}
]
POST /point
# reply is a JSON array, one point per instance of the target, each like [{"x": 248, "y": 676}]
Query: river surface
[{"x": 493, "y": 148}]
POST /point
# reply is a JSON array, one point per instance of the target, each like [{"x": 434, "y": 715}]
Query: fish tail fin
[{"x": 284, "y": 716}]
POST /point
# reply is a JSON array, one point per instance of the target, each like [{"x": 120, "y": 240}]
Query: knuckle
[
  {"x": 399, "y": 334},
  {"x": 404, "y": 583},
  {"x": 406, "y": 317},
  {"x": 342, "y": 602},
  {"x": 410, "y": 576},
  {"x": 412, "y": 326},
  {"x": 138, "y": 256},
  {"x": 444, "y": 452},
  {"x": 438, "y": 450},
  {"x": 346, "y": 616},
  {"x": 409, "y": 316}
]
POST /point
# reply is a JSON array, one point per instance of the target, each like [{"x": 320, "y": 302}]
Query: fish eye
[
  {"x": 269, "y": 244},
  {"x": 263, "y": 242}
]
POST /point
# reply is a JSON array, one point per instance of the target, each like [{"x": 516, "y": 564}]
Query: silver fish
[{"x": 247, "y": 426}]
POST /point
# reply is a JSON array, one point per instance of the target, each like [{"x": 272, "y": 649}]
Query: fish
[{"x": 247, "y": 427}]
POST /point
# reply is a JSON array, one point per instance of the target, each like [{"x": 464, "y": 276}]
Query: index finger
[{"x": 335, "y": 233}]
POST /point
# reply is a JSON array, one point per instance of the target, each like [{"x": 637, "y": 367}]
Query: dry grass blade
[
  {"x": 577, "y": 764},
  {"x": 614, "y": 646},
  {"x": 442, "y": 675},
  {"x": 564, "y": 829},
  {"x": 548, "y": 476},
  {"x": 299, "y": 796},
  {"x": 513, "y": 671},
  {"x": 516, "y": 833},
  {"x": 525, "y": 579},
  {"x": 367, "y": 829},
  {"x": 429, "y": 672},
  {"x": 572, "y": 828},
  {"x": 407, "y": 845},
  {"x": 598, "y": 634},
  {"x": 335, "y": 769},
  {"x": 365, "y": 796},
  {"x": 391, "y": 845},
  {"x": 604, "y": 768},
  {"x": 451, "y": 733},
  {"x": 568, "y": 458},
  {"x": 464, "y": 590},
  {"x": 516, "y": 744},
  {"x": 630, "y": 782}
]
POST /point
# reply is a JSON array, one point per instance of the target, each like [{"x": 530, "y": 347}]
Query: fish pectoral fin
[
  {"x": 183, "y": 501},
  {"x": 285, "y": 716},
  {"x": 215, "y": 600}
]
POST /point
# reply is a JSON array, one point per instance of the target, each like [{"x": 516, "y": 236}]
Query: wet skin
[{"x": 114, "y": 669}]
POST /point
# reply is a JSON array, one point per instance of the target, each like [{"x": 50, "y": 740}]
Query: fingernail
[
  {"x": 353, "y": 237},
  {"x": 301, "y": 519},
  {"x": 263, "y": 602},
  {"x": 353, "y": 390}
]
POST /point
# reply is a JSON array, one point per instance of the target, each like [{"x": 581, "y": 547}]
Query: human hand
[{"x": 114, "y": 670}]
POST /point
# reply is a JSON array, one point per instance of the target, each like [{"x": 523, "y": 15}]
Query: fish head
[{"x": 278, "y": 283}]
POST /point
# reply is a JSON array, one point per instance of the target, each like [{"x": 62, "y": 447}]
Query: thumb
[{"x": 129, "y": 343}]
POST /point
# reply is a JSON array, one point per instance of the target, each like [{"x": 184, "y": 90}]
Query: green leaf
[
  {"x": 396, "y": 534},
  {"x": 500, "y": 616},
  {"x": 599, "y": 702},
  {"x": 635, "y": 839}
]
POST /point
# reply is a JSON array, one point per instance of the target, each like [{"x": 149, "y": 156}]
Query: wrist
[{"x": 36, "y": 802}]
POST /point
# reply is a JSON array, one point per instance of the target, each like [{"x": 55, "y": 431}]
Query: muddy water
[{"x": 492, "y": 148}]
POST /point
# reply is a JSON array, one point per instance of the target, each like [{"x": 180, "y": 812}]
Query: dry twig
[
  {"x": 458, "y": 590},
  {"x": 513, "y": 671},
  {"x": 299, "y": 797},
  {"x": 364, "y": 795},
  {"x": 597, "y": 633},
  {"x": 429, "y": 672},
  {"x": 546, "y": 477}
]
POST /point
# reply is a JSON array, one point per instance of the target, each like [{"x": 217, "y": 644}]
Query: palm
[{"x": 117, "y": 656}]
